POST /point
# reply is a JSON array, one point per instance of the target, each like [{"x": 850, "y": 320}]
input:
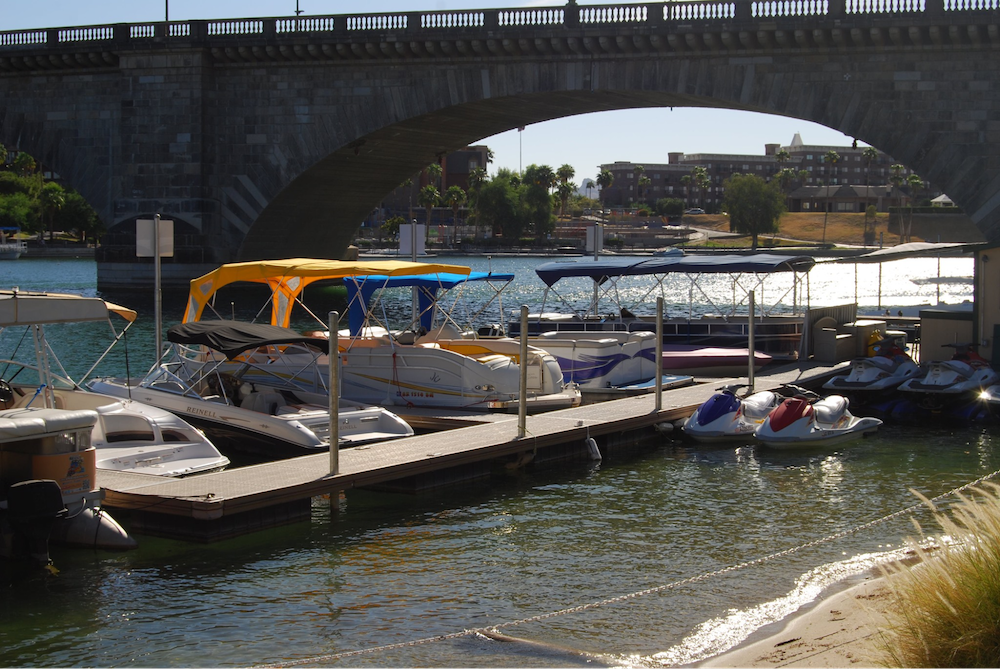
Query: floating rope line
[{"x": 633, "y": 595}]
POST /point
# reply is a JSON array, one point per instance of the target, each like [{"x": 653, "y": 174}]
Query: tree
[
  {"x": 669, "y": 207},
  {"x": 564, "y": 190},
  {"x": 754, "y": 205},
  {"x": 701, "y": 181},
  {"x": 642, "y": 184},
  {"x": 565, "y": 173},
  {"x": 869, "y": 155},
  {"x": 51, "y": 199},
  {"x": 477, "y": 177},
  {"x": 499, "y": 206},
  {"x": 896, "y": 179},
  {"x": 17, "y": 211},
  {"x": 686, "y": 182},
  {"x": 77, "y": 216},
  {"x": 454, "y": 197},
  {"x": 3, "y": 156},
  {"x": 785, "y": 176},
  {"x": 833, "y": 158},
  {"x": 24, "y": 164},
  {"x": 535, "y": 198},
  {"x": 428, "y": 197},
  {"x": 604, "y": 180},
  {"x": 916, "y": 185},
  {"x": 434, "y": 172},
  {"x": 390, "y": 227}
]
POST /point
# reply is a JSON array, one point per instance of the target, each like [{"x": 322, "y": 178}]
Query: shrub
[{"x": 948, "y": 602}]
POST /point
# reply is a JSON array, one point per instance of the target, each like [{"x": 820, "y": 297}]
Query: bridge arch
[{"x": 275, "y": 137}]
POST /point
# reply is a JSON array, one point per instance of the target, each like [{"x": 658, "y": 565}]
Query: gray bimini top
[
  {"x": 605, "y": 268},
  {"x": 233, "y": 337}
]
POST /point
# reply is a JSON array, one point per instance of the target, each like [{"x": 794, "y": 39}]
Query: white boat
[
  {"x": 397, "y": 366},
  {"x": 877, "y": 375},
  {"x": 128, "y": 435},
  {"x": 728, "y": 416},
  {"x": 12, "y": 249},
  {"x": 948, "y": 382},
  {"x": 246, "y": 385},
  {"x": 803, "y": 422},
  {"x": 49, "y": 486}
]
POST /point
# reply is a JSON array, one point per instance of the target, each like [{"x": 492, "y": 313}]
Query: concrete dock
[{"x": 211, "y": 507}]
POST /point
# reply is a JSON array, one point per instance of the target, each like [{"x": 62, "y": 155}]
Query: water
[{"x": 391, "y": 569}]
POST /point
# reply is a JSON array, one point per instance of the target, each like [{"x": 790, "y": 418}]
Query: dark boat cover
[
  {"x": 604, "y": 268},
  {"x": 233, "y": 337}
]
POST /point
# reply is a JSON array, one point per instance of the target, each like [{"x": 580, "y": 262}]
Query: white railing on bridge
[
  {"x": 236, "y": 27},
  {"x": 790, "y": 8},
  {"x": 378, "y": 22},
  {"x": 884, "y": 6},
  {"x": 23, "y": 38},
  {"x": 613, "y": 14},
  {"x": 457, "y": 19},
  {"x": 532, "y": 17},
  {"x": 700, "y": 11},
  {"x": 308, "y": 24},
  {"x": 86, "y": 34}
]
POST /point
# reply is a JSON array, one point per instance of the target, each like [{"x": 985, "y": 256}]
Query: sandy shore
[{"x": 839, "y": 631}]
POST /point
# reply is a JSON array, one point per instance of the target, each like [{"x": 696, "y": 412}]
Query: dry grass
[
  {"x": 840, "y": 228},
  {"x": 948, "y": 602}
]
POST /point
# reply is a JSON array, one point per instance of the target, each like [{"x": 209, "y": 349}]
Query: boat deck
[{"x": 213, "y": 506}]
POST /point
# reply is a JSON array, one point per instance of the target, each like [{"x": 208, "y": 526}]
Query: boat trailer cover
[{"x": 232, "y": 337}]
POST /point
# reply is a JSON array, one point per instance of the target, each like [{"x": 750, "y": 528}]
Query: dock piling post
[
  {"x": 750, "y": 343},
  {"x": 659, "y": 353},
  {"x": 333, "y": 360},
  {"x": 522, "y": 396}
]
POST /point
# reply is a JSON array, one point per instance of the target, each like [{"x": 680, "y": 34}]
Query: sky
[{"x": 585, "y": 141}]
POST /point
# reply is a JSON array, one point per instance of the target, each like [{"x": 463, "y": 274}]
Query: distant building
[{"x": 867, "y": 183}]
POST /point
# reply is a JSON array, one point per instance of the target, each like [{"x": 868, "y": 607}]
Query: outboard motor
[{"x": 33, "y": 507}]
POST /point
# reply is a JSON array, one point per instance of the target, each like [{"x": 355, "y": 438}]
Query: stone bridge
[{"x": 274, "y": 137}]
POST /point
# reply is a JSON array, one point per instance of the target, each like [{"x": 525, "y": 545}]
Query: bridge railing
[{"x": 570, "y": 15}]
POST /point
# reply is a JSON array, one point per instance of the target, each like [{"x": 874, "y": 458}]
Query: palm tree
[
  {"x": 477, "y": 177},
  {"x": 701, "y": 180},
  {"x": 642, "y": 185},
  {"x": 434, "y": 174},
  {"x": 428, "y": 197},
  {"x": 833, "y": 158},
  {"x": 686, "y": 182},
  {"x": 869, "y": 155},
  {"x": 565, "y": 173},
  {"x": 563, "y": 190},
  {"x": 454, "y": 197},
  {"x": 916, "y": 185},
  {"x": 52, "y": 198},
  {"x": 785, "y": 176},
  {"x": 604, "y": 179},
  {"x": 896, "y": 179}
]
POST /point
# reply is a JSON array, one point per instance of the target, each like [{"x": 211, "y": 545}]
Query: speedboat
[
  {"x": 256, "y": 388},
  {"x": 48, "y": 485},
  {"x": 128, "y": 436},
  {"x": 421, "y": 364},
  {"x": 948, "y": 382},
  {"x": 805, "y": 422},
  {"x": 877, "y": 375},
  {"x": 727, "y": 415}
]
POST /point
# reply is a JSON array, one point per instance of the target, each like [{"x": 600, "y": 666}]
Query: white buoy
[{"x": 595, "y": 453}]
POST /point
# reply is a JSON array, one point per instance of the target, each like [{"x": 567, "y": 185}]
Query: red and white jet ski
[{"x": 801, "y": 422}]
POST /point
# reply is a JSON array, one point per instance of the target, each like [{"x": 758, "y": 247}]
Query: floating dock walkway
[{"x": 211, "y": 507}]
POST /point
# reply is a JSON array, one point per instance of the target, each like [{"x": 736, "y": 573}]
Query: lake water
[{"x": 390, "y": 571}]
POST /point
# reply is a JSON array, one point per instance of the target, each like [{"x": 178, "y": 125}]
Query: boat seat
[
  {"x": 264, "y": 402},
  {"x": 830, "y": 409}
]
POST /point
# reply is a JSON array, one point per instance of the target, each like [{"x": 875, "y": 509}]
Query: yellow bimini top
[{"x": 288, "y": 278}]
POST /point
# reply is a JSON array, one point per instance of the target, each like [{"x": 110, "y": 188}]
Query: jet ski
[
  {"x": 726, "y": 415},
  {"x": 869, "y": 378},
  {"x": 949, "y": 382},
  {"x": 803, "y": 421}
]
